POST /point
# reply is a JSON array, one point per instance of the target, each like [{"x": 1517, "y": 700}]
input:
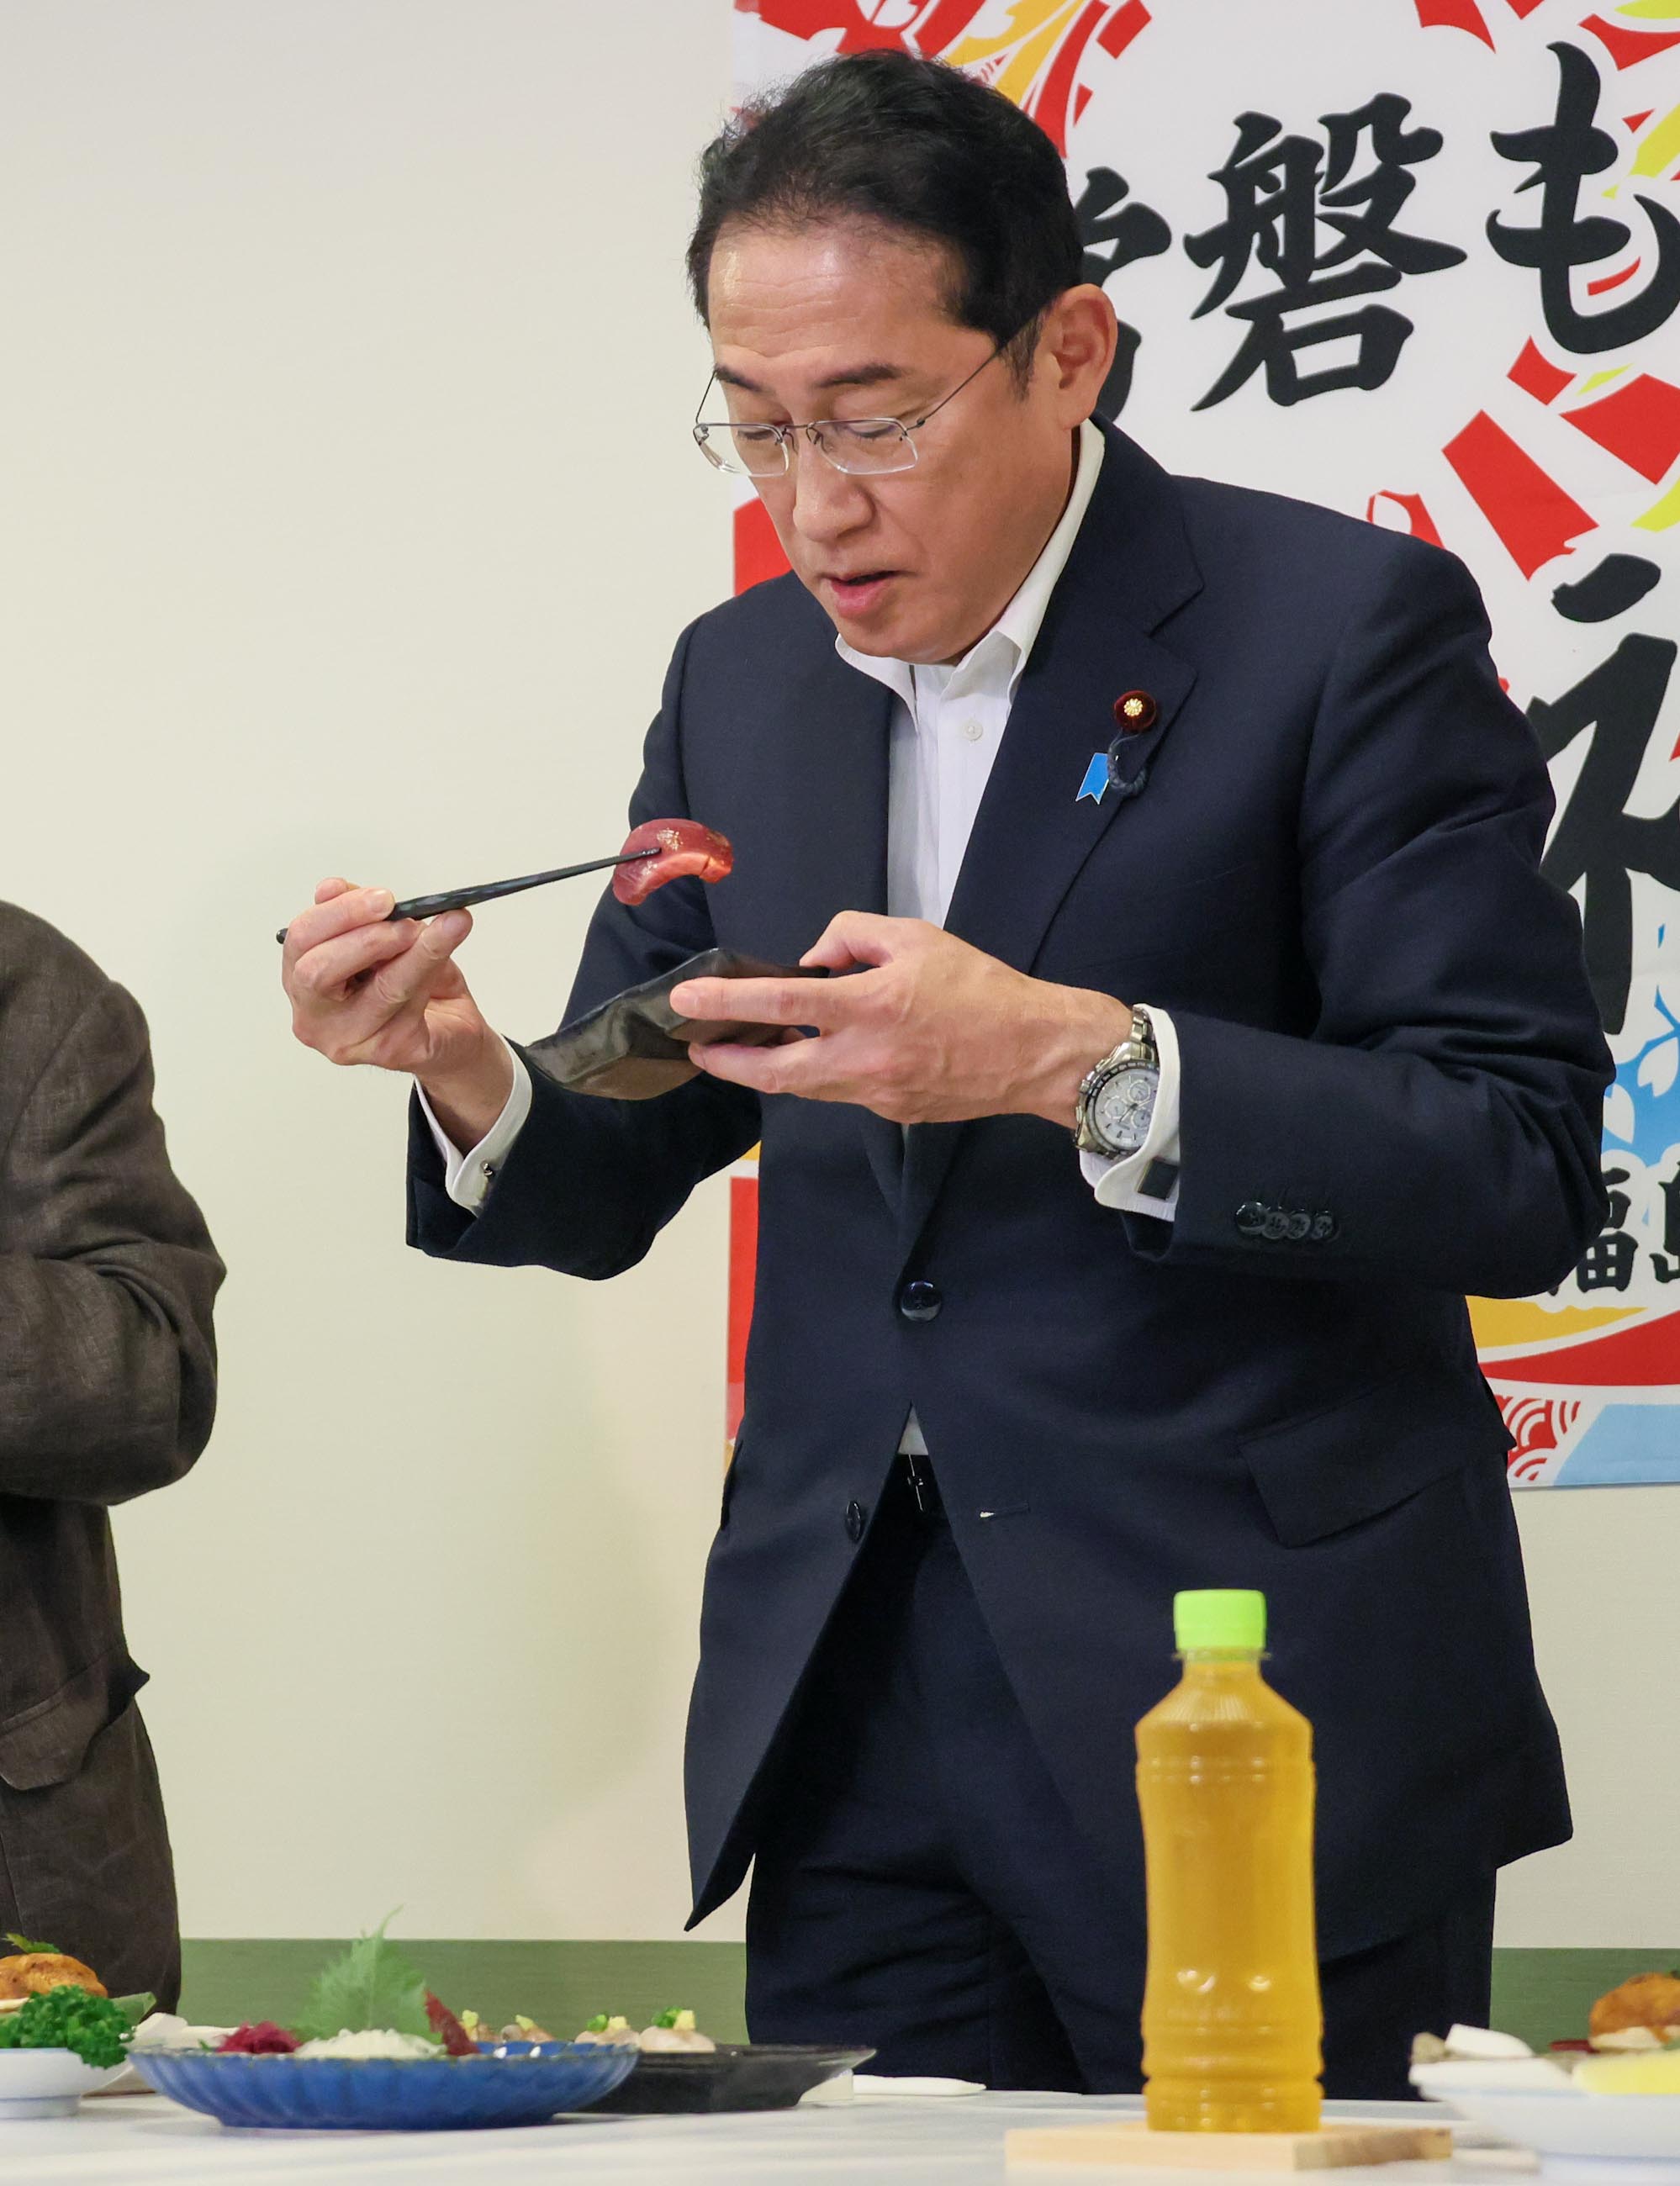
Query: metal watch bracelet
[{"x": 1137, "y": 1051}]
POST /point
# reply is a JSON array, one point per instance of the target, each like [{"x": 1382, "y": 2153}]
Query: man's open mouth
[{"x": 861, "y": 581}]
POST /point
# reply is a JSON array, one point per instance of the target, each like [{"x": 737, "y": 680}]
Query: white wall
[
  {"x": 348, "y": 521},
  {"x": 349, "y": 517},
  {"x": 1604, "y": 1567}
]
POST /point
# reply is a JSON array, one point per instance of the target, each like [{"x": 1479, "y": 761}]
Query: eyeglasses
[{"x": 860, "y": 446}]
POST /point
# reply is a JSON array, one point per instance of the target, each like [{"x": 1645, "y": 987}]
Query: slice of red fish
[
  {"x": 454, "y": 2037},
  {"x": 683, "y": 846}
]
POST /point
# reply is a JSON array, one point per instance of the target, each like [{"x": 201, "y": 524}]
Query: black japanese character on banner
[
  {"x": 1666, "y": 1263},
  {"x": 1608, "y": 1262},
  {"x": 1564, "y": 154},
  {"x": 1116, "y": 235},
  {"x": 1597, "y": 839},
  {"x": 1279, "y": 192}
]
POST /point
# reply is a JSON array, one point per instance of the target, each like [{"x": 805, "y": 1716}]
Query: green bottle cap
[{"x": 1224, "y": 1616}]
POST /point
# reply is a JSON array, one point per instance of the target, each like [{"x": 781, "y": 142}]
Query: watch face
[{"x": 1123, "y": 1107}]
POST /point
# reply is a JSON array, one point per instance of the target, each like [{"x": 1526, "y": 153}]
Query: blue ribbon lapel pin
[{"x": 1096, "y": 779}]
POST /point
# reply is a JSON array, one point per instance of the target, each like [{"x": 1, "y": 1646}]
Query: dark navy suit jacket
[{"x": 1330, "y": 880}]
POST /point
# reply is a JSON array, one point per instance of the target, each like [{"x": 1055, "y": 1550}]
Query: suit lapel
[{"x": 1130, "y": 567}]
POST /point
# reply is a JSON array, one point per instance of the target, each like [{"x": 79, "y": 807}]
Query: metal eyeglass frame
[{"x": 813, "y": 431}]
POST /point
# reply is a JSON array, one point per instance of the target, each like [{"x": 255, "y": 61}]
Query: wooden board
[{"x": 1128, "y": 2141}]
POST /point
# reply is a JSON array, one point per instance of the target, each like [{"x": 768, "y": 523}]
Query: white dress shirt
[{"x": 945, "y": 732}]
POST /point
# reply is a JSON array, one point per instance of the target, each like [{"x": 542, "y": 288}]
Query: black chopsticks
[{"x": 429, "y": 906}]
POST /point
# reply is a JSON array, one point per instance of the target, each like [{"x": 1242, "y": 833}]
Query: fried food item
[
  {"x": 1649, "y": 2000},
  {"x": 33, "y": 1973}
]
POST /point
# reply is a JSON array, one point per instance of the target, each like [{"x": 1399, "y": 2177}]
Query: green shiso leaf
[
  {"x": 371, "y": 1986},
  {"x": 135, "y": 2008},
  {"x": 22, "y": 1943}
]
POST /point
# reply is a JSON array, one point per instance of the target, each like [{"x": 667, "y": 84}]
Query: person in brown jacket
[{"x": 107, "y": 1389}]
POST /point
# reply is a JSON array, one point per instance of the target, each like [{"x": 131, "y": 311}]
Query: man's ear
[{"x": 1078, "y": 346}]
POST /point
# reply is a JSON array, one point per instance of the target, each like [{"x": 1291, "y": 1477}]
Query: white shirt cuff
[
  {"x": 1118, "y": 1179},
  {"x": 468, "y": 1177}
]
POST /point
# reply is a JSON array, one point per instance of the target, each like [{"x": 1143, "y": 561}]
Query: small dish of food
[
  {"x": 1607, "y": 2107},
  {"x": 42, "y": 2083},
  {"x": 61, "y": 2036},
  {"x": 680, "y": 2070}
]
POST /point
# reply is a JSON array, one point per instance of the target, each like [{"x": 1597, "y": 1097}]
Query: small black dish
[
  {"x": 635, "y": 1046},
  {"x": 735, "y": 2076}
]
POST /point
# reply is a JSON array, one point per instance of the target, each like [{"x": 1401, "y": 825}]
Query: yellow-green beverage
[{"x": 1233, "y": 2027}]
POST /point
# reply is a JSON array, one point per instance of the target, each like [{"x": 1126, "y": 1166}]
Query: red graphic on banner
[
  {"x": 1627, "y": 47},
  {"x": 1049, "y": 108},
  {"x": 939, "y": 25},
  {"x": 1613, "y": 280},
  {"x": 1035, "y": 60},
  {"x": 1639, "y": 423},
  {"x": 744, "y": 1262},
  {"x": 1540, "y": 1425},
  {"x": 1419, "y": 521},
  {"x": 1453, "y": 15},
  {"x": 758, "y": 551},
  {"x": 1122, "y": 26},
  {"x": 945, "y": 22},
  {"x": 1537, "y": 376},
  {"x": 1535, "y": 518},
  {"x": 1637, "y": 1357}
]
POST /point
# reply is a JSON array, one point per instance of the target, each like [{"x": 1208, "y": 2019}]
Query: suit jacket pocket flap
[
  {"x": 46, "y": 1743},
  {"x": 1320, "y": 1474}
]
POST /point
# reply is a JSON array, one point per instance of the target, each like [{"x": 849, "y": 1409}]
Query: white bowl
[
  {"x": 1578, "y": 2136},
  {"x": 38, "y": 2083},
  {"x": 1492, "y": 2075}
]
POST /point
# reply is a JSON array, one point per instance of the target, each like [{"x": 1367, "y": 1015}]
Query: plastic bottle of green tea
[{"x": 1232, "y": 2023}]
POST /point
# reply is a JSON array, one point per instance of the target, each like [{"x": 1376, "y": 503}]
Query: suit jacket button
[
  {"x": 1250, "y": 1218},
  {"x": 1324, "y": 1226},
  {"x": 856, "y": 1519},
  {"x": 1274, "y": 1227},
  {"x": 1299, "y": 1226},
  {"x": 920, "y": 1301}
]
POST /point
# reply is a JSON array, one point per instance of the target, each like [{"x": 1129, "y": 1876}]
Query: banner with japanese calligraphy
[{"x": 1417, "y": 260}]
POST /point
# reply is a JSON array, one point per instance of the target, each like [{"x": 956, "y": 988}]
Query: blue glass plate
[{"x": 376, "y": 2094}]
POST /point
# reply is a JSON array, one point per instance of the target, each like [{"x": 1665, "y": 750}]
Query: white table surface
[{"x": 955, "y": 2141}]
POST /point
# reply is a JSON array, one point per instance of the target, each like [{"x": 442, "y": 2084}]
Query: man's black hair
[{"x": 887, "y": 137}]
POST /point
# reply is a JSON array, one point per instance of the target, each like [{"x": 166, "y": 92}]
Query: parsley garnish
[{"x": 70, "y": 2018}]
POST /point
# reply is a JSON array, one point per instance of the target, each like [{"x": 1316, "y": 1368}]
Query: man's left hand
[{"x": 924, "y": 1030}]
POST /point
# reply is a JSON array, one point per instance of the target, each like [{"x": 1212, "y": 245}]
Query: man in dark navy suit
[{"x": 1116, "y": 1222}]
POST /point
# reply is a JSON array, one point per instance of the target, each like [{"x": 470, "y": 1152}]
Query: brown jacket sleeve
[{"x": 107, "y": 1272}]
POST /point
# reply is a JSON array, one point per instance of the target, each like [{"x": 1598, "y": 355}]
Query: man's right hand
[{"x": 367, "y": 988}]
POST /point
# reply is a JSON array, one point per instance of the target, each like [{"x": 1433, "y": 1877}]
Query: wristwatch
[{"x": 1116, "y": 1101}]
